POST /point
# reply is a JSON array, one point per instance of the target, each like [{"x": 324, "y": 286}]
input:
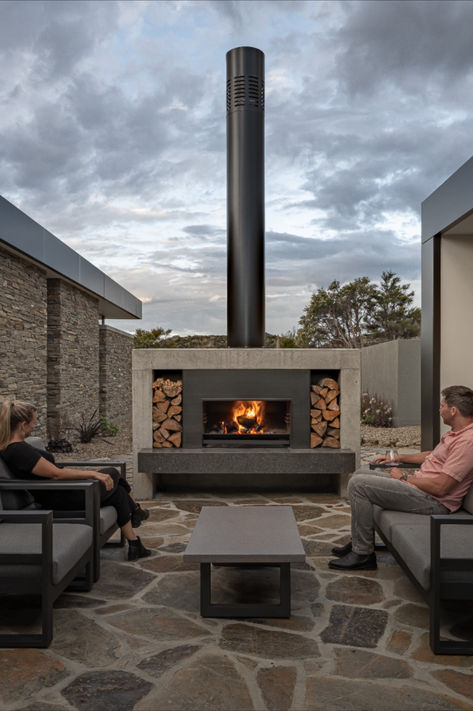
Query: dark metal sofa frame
[
  {"x": 48, "y": 590},
  {"x": 100, "y": 539},
  {"x": 450, "y": 579}
]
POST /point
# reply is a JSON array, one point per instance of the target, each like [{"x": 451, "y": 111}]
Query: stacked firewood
[
  {"x": 325, "y": 414},
  {"x": 167, "y": 413}
]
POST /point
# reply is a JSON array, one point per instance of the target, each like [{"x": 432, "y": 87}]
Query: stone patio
[{"x": 137, "y": 641}]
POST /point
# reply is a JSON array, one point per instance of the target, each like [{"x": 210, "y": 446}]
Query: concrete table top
[{"x": 245, "y": 534}]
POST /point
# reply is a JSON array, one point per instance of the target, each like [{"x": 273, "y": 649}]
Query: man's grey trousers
[{"x": 367, "y": 488}]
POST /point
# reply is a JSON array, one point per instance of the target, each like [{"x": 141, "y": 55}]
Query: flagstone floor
[{"x": 137, "y": 641}]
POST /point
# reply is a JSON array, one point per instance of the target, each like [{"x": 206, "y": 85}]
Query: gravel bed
[{"x": 395, "y": 436}]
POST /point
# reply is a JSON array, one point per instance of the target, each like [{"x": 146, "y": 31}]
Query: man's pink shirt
[{"x": 453, "y": 456}]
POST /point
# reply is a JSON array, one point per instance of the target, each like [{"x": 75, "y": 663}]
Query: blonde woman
[{"x": 17, "y": 421}]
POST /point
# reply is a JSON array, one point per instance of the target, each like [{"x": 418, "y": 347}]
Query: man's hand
[
  {"x": 395, "y": 473},
  {"x": 382, "y": 459}
]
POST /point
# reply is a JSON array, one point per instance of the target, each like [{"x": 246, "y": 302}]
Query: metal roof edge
[
  {"x": 449, "y": 203},
  {"x": 23, "y": 234}
]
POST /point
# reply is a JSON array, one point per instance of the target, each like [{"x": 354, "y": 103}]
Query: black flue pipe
[{"x": 245, "y": 198}]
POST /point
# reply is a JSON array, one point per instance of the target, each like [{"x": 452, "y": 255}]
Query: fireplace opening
[{"x": 256, "y": 422}]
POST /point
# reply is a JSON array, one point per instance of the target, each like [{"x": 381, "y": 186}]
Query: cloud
[{"x": 112, "y": 118}]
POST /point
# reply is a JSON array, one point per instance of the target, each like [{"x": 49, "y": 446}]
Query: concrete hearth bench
[
  {"x": 436, "y": 552},
  {"x": 292, "y": 469}
]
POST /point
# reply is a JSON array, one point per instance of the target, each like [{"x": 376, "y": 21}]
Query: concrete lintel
[{"x": 246, "y": 358}]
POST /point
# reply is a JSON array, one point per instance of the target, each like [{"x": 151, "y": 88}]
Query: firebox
[{"x": 253, "y": 422}]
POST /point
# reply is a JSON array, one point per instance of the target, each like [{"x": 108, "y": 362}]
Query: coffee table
[{"x": 245, "y": 535}]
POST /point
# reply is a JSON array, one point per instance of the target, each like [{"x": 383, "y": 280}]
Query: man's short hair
[{"x": 461, "y": 397}]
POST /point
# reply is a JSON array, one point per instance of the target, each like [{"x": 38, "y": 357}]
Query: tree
[
  {"x": 336, "y": 317},
  {"x": 150, "y": 339},
  {"x": 393, "y": 315},
  {"x": 359, "y": 313}
]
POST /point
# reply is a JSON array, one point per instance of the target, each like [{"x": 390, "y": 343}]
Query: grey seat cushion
[
  {"x": 70, "y": 542},
  {"x": 108, "y": 518},
  {"x": 386, "y": 519},
  {"x": 412, "y": 542}
]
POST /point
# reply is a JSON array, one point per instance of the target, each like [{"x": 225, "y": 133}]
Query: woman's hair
[{"x": 12, "y": 412}]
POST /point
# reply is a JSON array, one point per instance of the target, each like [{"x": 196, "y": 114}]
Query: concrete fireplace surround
[{"x": 254, "y": 467}]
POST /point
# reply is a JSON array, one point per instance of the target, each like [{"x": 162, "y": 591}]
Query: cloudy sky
[{"x": 112, "y": 125}]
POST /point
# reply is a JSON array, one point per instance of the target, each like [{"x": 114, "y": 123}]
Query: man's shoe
[
  {"x": 137, "y": 550},
  {"x": 340, "y": 551},
  {"x": 353, "y": 561},
  {"x": 138, "y": 516}
]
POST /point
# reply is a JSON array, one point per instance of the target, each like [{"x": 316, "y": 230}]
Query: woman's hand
[{"x": 106, "y": 479}]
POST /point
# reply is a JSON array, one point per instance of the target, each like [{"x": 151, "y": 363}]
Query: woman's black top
[{"x": 21, "y": 458}]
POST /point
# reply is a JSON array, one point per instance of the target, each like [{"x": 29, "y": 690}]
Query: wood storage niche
[
  {"x": 324, "y": 411},
  {"x": 167, "y": 409}
]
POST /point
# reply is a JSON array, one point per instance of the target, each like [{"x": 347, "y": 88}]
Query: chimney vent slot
[{"x": 245, "y": 91}]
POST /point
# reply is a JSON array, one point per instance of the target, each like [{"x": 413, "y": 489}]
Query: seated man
[{"x": 438, "y": 487}]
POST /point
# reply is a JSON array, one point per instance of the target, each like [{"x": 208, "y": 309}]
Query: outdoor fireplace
[
  {"x": 245, "y": 416},
  {"x": 264, "y": 423}
]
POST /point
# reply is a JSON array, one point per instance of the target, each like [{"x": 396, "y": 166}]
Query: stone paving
[{"x": 136, "y": 641}]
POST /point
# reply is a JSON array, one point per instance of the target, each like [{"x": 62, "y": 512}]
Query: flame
[{"x": 251, "y": 410}]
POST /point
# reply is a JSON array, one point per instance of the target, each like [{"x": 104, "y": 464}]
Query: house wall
[
  {"x": 456, "y": 316},
  {"x": 115, "y": 376},
  {"x": 73, "y": 356},
  {"x": 23, "y": 338},
  {"x": 54, "y": 353}
]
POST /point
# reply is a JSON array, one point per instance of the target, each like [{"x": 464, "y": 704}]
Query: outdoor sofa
[
  {"x": 39, "y": 557},
  {"x": 436, "y": 552},
  {"x": 104, "y": 517}
]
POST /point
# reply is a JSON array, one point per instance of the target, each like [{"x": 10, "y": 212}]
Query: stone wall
[
  {"x": 115, "y": 376},
  {"x": 23, "y": 339},
  {"x": 73, "y": 356}
]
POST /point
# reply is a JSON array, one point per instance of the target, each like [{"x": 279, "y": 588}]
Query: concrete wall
[
  {"x": 23, "y": 294},
  {"x": 115, "y": 376},
  {"x": 392, "y": 371}
]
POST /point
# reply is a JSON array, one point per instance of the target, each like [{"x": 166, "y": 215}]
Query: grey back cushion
[
  {"x": 16, "y": 499},
  {"x": 36, "y": 442},
  {"x": 468, "y": 501}
]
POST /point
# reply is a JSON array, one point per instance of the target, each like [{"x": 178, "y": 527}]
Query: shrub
[
  {"x": 375, "y": 412},
  {"x": 88, "y": 428},
  {"x": 107, "y": 427}
]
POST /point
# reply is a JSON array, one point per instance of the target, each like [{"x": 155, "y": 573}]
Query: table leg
[{"x": 209, "y": 609}]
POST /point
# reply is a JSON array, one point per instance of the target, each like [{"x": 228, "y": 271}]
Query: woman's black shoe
[
  {"x": 138, "y": 516},
  {"x": 340, "y": 551},
  {"x": 137, "y": 550}
]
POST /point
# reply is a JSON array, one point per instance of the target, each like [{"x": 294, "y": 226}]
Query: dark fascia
[
  {"x": 20, "y": 233},
  {"x": 450, "y": 203}
]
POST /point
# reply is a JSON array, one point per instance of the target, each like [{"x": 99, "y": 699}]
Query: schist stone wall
[
  {"x": 23, "y": 333},
  {"x": 73, "y": 362},
  {"x": 115, "y": 376},
  {"x": 53, "y": 352}
]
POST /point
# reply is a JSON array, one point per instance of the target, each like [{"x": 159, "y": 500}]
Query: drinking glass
[{"x": 391, "y": 455}]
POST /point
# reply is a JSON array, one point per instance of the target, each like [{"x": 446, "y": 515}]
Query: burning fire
[{"x": 247, "y": 417}]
